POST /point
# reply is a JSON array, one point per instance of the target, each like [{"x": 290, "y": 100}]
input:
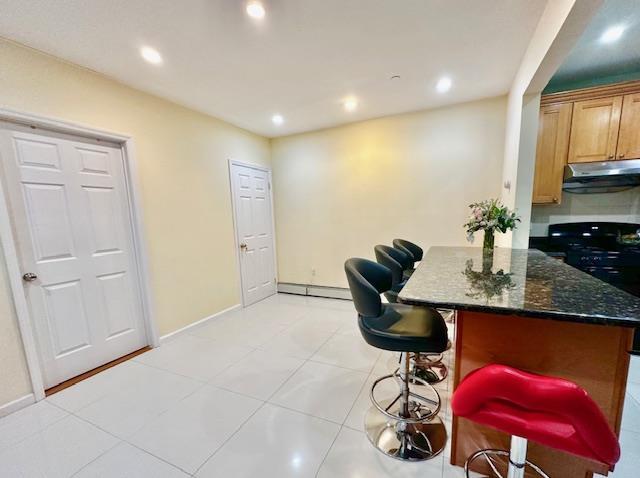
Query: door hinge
[{"x": 269, "y": 183}]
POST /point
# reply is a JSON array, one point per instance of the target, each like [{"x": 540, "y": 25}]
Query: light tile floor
[{"x": 279, "y": 389}]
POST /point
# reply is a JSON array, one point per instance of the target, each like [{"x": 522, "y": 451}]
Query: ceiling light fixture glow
[
  {"x": 350, "y": 104},
  {"x": 255, "y": 10},
  {"x": 151, "y": 55},
  {"x": 444, "y": 84},
  {"x": 277, "y": 119},
  {"x": 612, "y": 34}
]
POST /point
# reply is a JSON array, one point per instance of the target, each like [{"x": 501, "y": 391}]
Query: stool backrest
[
  {"x": 393, "y": 259},
  {"x": 407, "y": 246},
  {"x": 367, "y": 280}
]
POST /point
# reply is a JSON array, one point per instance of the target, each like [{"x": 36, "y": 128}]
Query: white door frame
[
  {"x": 234, "y": 205},
  {"x": 25, "y": 321}
]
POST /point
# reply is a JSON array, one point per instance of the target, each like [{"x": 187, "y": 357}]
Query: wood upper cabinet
[
  {"x": 551, "y": 152},
  {"x": 594, "y": 130},
  {"x": 629, "y": 138},
  {"x": 601, "y": 123}
]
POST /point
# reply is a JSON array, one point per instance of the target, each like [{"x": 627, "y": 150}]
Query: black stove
[{"x": 609, "y": 251}]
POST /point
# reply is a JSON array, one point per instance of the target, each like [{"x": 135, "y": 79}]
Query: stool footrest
[
  {"x": 423, "y": 408},
  {"x": 511, "y": 469}
]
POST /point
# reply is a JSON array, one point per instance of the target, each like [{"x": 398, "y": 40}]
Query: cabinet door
[
  {"x": 629, "y": 140},
  {"x": 551, "y": 152},
  {"x": 594, "y": 130}
]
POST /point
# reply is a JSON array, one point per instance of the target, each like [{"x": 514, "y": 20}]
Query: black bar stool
[
  {"x": 414, "y": 252},
  {"x": 396, "y": 261},
  {"x": 407, "y": 426},
  {"x": 424, "y": 366}
]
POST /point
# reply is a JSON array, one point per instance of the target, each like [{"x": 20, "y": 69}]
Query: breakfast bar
[{"x": 524, "y": 309}]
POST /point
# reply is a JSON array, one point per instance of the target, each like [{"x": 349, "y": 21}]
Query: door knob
[
  {"x": 29, "y": 277},
  {"x": 243, "y": 246},
  {"x": 621, "y": 155},
  {"x": 611, "y": 156}
]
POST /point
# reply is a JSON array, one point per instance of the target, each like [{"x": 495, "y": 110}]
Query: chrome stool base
[
  {"x": 405, "y": 441},
  {"x": 407, "y": 426}
]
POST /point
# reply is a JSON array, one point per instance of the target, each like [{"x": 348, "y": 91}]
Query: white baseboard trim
[
  {"x": 184, "y": 329},
  {"x": 314, "y": 290},
  {"x": 17, "y": 404}
]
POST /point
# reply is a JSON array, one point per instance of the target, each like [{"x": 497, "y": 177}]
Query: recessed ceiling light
[
  {"x": 612, "y": 34},
  {"x": 255, "y": 9},
  {"x": 277, "y": 119},
  {"x": 444, "y": 84},
  {"x": 350, "y": 104},
  {"x": 151, "y": 55}
]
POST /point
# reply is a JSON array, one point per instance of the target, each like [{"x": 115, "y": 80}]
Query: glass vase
[{"x": 487, "y": 245}]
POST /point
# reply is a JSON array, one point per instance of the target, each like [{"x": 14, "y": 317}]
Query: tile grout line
[
  {"x": 25, "y": 438},
  {"x": 96, "y": 458},
  {"x": 126, "y": 440},
  {"x": 269, "y": 398},
  {"x": 229, "y": 438},
  {"x": 201, "y": 385},
  {"x": 188, "y": 473},
  {"x": 306, "y": 414},
  {"x": 343, "y": 426},
  {"x": 301, "y": 365},
  {"x": 123, "y": 440},
  {"x": 324, "y": 458},
  {"x": 331, "y": 421}
]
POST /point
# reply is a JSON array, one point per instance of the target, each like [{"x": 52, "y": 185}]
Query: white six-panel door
[
  {"x": 254, "y": 229},
  {"x": 70, "y": 213}
]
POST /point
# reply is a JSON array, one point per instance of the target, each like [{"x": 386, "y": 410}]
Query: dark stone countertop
[{"x": 523, "y": 282}]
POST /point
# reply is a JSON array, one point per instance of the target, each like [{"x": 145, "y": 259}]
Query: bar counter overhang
[{"x": 527, "y": 310}]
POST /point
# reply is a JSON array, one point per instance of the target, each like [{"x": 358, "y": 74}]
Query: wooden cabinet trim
[{"x": 617, "y": 89}]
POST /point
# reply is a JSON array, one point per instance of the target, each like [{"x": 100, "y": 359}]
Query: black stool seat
[
  {"x": 404, "y": 328},
  {"x": 395, "y": 327}
]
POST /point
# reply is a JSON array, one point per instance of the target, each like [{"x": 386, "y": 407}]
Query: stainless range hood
[{"x": 608, "y": 176}]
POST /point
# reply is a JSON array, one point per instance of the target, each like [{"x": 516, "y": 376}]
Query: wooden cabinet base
[{"x": 594, "y": 356}]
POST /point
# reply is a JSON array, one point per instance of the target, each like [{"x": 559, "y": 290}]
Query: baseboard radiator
[{"x": 314, "y": 290}]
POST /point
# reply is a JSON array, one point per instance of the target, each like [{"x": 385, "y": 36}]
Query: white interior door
[
  {"x": 70, "y": 213},
  {"x": 254, "y": 227}
]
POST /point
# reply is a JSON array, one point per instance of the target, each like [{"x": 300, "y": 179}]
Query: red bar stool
[{"x": 551, "y": 411}]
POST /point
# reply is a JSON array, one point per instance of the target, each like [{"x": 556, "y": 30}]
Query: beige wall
[
  {"x": 549, "y": 25},
  {"x": 340, "y": 191},
  {"x": 526, "y": 168},
  {"x": 14, "y": 377},
  {"x": 182, "y": 157}
]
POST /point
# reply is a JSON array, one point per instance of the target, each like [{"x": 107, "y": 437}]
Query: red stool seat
[{"x": 551, "y": 411}]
